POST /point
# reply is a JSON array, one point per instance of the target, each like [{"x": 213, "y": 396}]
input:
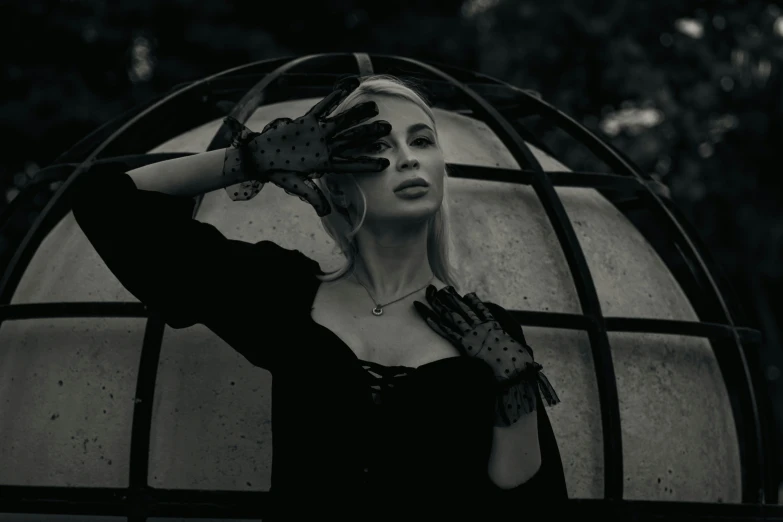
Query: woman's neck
[{"x": 390, "y": 267}]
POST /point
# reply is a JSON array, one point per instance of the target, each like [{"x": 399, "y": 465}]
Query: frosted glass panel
[
  {"x": 66, "y": 268},
  {"x": 67, "y": 389},
  {"x": 211, "y": 424},
  {"x": 630, "y": 277},
  {"x": 212, "y": 419},
  {"x": 576, "y": 421},
  {"x": 679, "y": 438}
]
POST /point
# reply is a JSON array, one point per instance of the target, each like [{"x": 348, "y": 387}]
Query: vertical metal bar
[
  {"x": 588, "y": 297},
  {"x": 141, "y": 426},
  {"x": 753, "y": 468},
  {"x": 364, "y": 63},
  {"x": 36, "y": 233}
]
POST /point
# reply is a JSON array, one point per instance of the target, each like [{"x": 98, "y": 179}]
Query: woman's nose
[{"x": 409, "y": 162}]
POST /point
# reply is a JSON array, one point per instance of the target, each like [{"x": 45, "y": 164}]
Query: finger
[
  {"x": 355, "y": 115},
  {"x": 326, "y": 105},
  {"x": 237, "y": 132},
  {"x": 446, "y": 315},
  {"x": 462, "y": 307},
  {"x": 446, "y": 332},
  {"x": 233, "y": 124},
  {"x": 433, "y": 322},
  {"x": 463, "y": 317},
  {"x": 481, "y": 309},
  {"x": 276, "y": 123},
  {"x": 342, "y": 89},
  {"x": 359, "y": 164},
  {"x": 304, "y": 189},
  {"x": 360, "y": 136}
]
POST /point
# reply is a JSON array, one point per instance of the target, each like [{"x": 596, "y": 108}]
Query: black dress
[{"x": 351, "y": 438}]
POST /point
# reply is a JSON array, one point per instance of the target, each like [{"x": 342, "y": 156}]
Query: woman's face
[{"x": 413, "y": 151}]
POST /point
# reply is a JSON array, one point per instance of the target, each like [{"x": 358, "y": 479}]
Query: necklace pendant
[{"x": 377, "y": 310}]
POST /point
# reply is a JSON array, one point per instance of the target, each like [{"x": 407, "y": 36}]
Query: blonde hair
[{"x": 338, "y": 224}]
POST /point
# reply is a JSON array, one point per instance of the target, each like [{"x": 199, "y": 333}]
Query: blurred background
[{"x": 689, "y": 90}]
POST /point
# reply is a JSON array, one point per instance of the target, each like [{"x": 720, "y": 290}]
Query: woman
[{"x": 381, "y": 404}]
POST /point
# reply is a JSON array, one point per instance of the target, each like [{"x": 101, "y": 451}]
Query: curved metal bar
[
  {"x": 524, "y": 317},
  {"x": 249, "y": 103},
  {"x": 364, "y": 63},
  {"x": 35, "y": 234},
  {"x": 22, "y": 311},
  {"x": 544, "y": 187},
  {"x": 579, "y": 131},
  {"x": 588, "y": 296},
  {"x": 150, "y": 355},
  {"x": 91, "y": 140},
  {"x": 251, "y": 100},
  {"x": 58, "y": 172},
  {"x": 54, "y": 172},
  {"x": 46, "y": 175},
  {"x": 558, "y": 178},
  {"x": 684, "y": 328},
  {"x": 192, "y": 503},
  {"x": 751, "y": 493},
  {"x": 141, "y": 425},
  {"x": 83, "y": 146},
  {"x": 609, "y": 155}
]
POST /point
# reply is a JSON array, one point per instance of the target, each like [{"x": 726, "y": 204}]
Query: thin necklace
[{"x": 378, "y": 310}]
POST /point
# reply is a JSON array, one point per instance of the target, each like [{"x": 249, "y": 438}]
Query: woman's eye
[
  {"x": 375, "y": 147},
  {"x": 378, "y": 146}
]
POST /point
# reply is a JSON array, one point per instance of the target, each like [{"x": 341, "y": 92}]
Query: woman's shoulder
[
  {"x": 289, "y": 275},
  {"x": 286, "y": 259}
]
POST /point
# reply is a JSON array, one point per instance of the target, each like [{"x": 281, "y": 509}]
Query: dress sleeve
[{"x": 186, "y": 271}]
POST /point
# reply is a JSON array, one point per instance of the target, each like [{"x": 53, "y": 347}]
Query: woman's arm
[
  {"x": 516, "y": 453},
  {"x": 183, "y": 270},
  {"x": 188, "y": 176}
]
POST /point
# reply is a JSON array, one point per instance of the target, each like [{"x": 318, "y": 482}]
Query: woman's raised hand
[{"x": 290, "y": 152}]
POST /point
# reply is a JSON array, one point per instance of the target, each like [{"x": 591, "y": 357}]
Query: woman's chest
[{"x": 399, "y": 337}]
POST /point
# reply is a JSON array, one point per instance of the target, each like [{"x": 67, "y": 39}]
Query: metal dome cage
[{"x": 516, "y": 117}]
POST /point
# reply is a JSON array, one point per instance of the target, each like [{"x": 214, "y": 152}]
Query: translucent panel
[
  {"x": 67, "y": 389},
  {"x": 508, "y": 249},
  {"x": 679, "y": 437},
  {"x": 576, "y": 421},
  {"x": 211, "y": 421},
  {"x": 32, "y": 517},
  {"x": 212, "y": 413},
  {"x": 67, "y": 268},
  {"x": 630, "y": 277},
  {"x": 504, "y": 244}
]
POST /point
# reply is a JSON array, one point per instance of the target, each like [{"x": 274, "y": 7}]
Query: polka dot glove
[
  {"x": 487, "y": 331},
  {"x": 289, "y": 152}
]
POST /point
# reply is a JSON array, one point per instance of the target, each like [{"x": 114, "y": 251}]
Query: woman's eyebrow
[{"x": 419, "y": 126}]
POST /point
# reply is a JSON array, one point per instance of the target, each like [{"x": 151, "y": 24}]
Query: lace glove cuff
[
  {"x": 487, "y": 331},
  {"x": 238, "y": 163},
  {"x": 516, "y": 396}
]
